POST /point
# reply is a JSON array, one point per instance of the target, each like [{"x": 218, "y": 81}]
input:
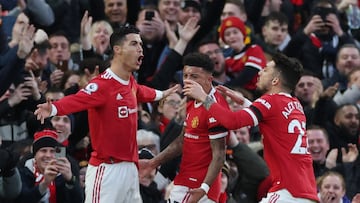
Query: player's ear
[
  {"x": 117, "y": 49},
  {"x": 275, "y": 81}
]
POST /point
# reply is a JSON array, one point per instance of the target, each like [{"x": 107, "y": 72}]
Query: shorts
[
  {"x": 284, "y": 196},
  {"x": 179, "y": 194},
  {"x": 117, "y": 182}
]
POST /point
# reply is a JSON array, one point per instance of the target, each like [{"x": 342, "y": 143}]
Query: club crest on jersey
[
  {"x": 195, "y": 122},
  {"x": 90, "y": 88}
]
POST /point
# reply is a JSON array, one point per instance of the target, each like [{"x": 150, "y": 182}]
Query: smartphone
[
  {"x": 60, "y": 152},
  {"x": 149, "y": 15},
  {"x": 63, "y": 66}
]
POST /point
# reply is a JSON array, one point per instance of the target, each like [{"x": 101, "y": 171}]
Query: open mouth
[{"x": 140, "y": 58}]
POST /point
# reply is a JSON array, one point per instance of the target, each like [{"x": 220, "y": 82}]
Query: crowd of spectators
[{"x": 50, "y": 49}]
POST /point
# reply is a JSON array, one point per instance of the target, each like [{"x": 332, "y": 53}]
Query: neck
[{"x": 120, "y": 70}]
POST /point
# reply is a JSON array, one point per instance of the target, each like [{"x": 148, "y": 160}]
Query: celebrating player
[
  {"x": 282, "y": 123},
  {"x": 111, "y": 100},
  {"x": 202, "y": 142}
]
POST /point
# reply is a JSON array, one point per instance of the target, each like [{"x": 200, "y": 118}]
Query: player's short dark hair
[
  {"x": 290, "y": 70},
  {"x": 118, "y": 36},
  {"x": 277, "y": 16},
  {"x": 199, "y": 60}
]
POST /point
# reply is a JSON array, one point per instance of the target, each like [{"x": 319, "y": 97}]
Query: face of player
[
  {"x": 305, "y": 89},
  {"x": 348, "y": 59},
  {"x": 187, "y": 13},
  {"x": 318, "y": 145},
  {"x": 274, "y": 33},
  {"x": 331, "y": 189},
  {"x": 232, "y": 10},
  {"x": 43, "y": 157},
  {"x": 130, "y": 52},
  {"x": 216, "y": 55},
  {"x": 62, "y": 124},
  {"x": 60, "y": 49},
  {"x": 170, "y": 106},
  {"x": 234, "y": 38},
  {"x": 169, "y": 10},
  {"x": 198, "y": 75},
  {"x": 116, "y": 10},
  {"x": 266, "y": 76},
  {"x": 347, "y": 118}
]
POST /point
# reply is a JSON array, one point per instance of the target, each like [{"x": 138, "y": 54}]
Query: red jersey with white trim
[
  {"x": 282, "y": 123},
  {"x": 253, "y": 57},
  {"x": 112, "y": 110},
  {"x": 200, "y": 128}
]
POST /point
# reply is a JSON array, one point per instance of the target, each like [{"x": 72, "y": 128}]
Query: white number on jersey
[{"x": 299, "y": 145}]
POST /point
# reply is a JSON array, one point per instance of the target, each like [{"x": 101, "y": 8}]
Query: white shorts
[
  {"x": 112, "y": 183},
  {"x": 179, "y": 194},
  {"x": 284, "y": 196}
]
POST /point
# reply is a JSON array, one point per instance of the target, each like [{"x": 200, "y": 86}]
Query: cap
[
  {"x": 44, "y": 138},
  {"x": 191, "y": 3},
  {"x": 232, "y": 21}
]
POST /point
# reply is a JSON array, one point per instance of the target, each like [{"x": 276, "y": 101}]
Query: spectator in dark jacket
[{"x": 47, "y": 178}]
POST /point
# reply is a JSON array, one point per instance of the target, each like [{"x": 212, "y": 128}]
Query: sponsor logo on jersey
[
  {"x": 191, "y": 136},
  {"x": 253, "y": 58},
  {"x": 212, "y": 120},
  {"x": 195, "y": 122},
  {"x": 90, "y": 88},
  {"x": 119, "y": 97},
  {"x": 124, "y": 111}
]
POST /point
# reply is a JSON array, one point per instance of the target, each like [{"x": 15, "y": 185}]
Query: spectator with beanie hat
[
  {"x": 245, "y": 61},
  {"x": 46, "y": 178}
]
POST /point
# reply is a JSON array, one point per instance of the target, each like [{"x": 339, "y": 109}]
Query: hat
[
  {"x": 191, "y": 3},
  {"x": 45, "y": 138},
  {"x": 232, "y": 21}
]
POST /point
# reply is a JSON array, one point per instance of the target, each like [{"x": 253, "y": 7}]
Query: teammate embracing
[{"x": 282, "y": 123}]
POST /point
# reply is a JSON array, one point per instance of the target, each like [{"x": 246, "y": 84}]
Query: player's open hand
[
  {"x": 234, "y": 95},
  {"x": 43, "y": 111},
  {"x": 195, "y": 195},
  {"x": 171, "y": 90}
]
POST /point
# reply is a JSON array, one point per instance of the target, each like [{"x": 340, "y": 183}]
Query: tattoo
[{"x": 208, "y": 102}]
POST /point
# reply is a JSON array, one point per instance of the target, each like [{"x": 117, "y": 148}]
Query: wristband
[{"x": 205, "y": 187}]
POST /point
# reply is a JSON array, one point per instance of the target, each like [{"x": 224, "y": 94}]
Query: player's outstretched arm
[{"x": 43, "y": 111}]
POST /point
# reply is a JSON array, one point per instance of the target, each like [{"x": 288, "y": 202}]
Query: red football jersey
[
  {"x": 282, "y": 123},
  {"x": 252, "y": 57},
  {"x": 200, "y": 128},
  {"x": 112, "y": 109}
]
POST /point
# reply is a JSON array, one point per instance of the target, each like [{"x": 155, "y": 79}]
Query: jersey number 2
[{"x": 300, "y": 146}]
